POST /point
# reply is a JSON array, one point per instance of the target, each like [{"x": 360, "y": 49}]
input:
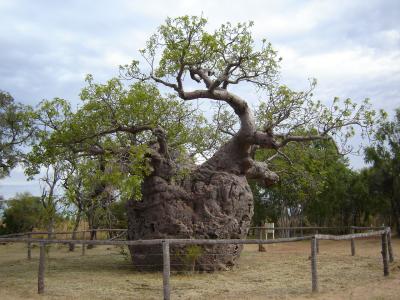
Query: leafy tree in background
[
  {"x": 2, "y": 204},
  {"x": 48, "y": 166},
  {"x": 23, "y": 213},
  {"x": 15, "y": 130},
  {"x": 385, "y": 172},
  {"x": 318, "y": 187},
  {"x": 304, "y": 172},
  {"x": 97, "y": 170}
]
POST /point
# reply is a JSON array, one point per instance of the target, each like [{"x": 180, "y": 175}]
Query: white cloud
[
  {"x": 391, "y": 36},
  {"x": 351, "y": 47},
  {"x": 353, "y": 63}
]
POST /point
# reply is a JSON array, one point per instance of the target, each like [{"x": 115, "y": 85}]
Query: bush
[{"x": 23, "y": 213}]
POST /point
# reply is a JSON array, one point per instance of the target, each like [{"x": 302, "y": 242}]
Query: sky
[{"x": 47, "y": 47}]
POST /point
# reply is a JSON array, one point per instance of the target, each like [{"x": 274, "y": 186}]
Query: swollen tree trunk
[
  {"x": 211, "y": 204},
  {"x": 214, "y": 202}
]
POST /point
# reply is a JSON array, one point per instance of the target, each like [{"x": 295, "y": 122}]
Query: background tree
[
  {"x": 15, "y": 129},
  {"x": 23, "y": 213},
  {"x": 304, "y": 171},
  {"x": 50, "y": 197},
  {"x": 385, "y": 172},
  {"x": 99, "y": 168},
  {"x": 49, "y": 165},
  {"x": 317, "y": 187}
]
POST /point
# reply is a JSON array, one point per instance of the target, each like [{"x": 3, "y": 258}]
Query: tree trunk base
[{"x": 219, "y": 207}]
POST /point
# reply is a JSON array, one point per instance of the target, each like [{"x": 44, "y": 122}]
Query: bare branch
[
  {"x": 301, "y": 138},
  {"x": 119, "y": 128},
  {"x": 163, "y": 82}
]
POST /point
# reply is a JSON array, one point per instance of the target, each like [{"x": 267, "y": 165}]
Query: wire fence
[{"x": 165, "y": 255}]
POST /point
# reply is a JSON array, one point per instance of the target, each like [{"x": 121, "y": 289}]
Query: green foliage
[
  {"x": 288, "y": 113},
  {"x": 23, "y": 213},
  {"x": 124, "y": 252},
  {"x": 106, "y": 125},
  {"x": 384, "y": 174},
  {"x": 262, "y": 212},
  {"x": 184, "y": 43},
  {"x": 15, "y": 131},
  {"x": 115, "y": 216},
  {"x": 315, "y": 187},
  {"x": 318, "y": 187},
  {"x": 193, "y": 252},
  {"x": 182, "y": 48}
]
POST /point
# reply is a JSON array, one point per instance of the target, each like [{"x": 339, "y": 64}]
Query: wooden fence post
[
  {"x": 71, "y": 246},
  {"x": 316, "y": 232},
  {"x": 83, "y": 244},
  {"x": 29, "y": 247},
  {"x": 353, "y": 244},
  {"x": 42, "y": 258},
  {"x": 389, "y": 239},
  {"x": 166, "y": 270},
  {"x": 260, "y": 237},
  {"x": 314, "y": 274},
  {"x": 385, "y": 255}
]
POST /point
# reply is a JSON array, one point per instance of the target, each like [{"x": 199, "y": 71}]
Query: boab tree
[
  {"x": 211, "y": 200},
  {"x": 215, "y": 200}
]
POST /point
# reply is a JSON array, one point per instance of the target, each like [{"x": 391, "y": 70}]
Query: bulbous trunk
[
  {"x": 215, "y": 202},
  {"x": 218, "y": 208}
]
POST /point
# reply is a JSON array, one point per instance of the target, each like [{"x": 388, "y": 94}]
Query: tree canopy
[
  {"x": 22, "y": 214},
  {"x": 384, "y": 174},
  {"x": 15, "y": 130}
]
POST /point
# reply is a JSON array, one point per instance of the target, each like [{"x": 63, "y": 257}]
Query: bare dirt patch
[{"x": 282, "y": 272}]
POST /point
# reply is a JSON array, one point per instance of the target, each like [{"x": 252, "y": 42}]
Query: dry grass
[{"x": 283, "y": 272}]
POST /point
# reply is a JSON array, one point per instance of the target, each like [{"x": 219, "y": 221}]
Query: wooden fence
[
  {"x": 385, "y": 233},
  {"x": 260, "y": 232}
]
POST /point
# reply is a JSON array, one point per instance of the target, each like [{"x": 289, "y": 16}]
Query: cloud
[
  {"x": 17, "y": 183},
  {"x": 351, "y": 47}
]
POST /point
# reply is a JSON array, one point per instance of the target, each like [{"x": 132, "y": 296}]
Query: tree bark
[
  {"x": 396, "y": 211},
  {"x": 50, "y": 228},
  {"x": 92, "y": 227},
  {"x": 75, "y": 229}
]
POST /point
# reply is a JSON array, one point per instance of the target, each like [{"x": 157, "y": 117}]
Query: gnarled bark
[{"x": 212, "y": 204}]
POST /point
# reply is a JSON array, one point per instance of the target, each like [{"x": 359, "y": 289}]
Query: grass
[{"x": 282, "y": 272}]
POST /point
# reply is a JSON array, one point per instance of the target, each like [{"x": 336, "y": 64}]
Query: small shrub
[
  {"x": 124, "y": 252},
  {"x": 193, "y": 252}
]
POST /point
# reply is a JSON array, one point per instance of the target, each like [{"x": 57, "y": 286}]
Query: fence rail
[
  {"x": 318, "y": 227},
  {"x": 61, "y": 232},
  {"x": 384, "y": 232}
]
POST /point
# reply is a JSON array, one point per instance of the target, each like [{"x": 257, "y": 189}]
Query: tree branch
[
  {"x": 260, "y": 172},
  {"x": 301, "y": 138},
  {"x": 119, "y": 128}
]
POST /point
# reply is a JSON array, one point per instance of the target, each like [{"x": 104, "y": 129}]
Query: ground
[{"x": 282, "y": 272}]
